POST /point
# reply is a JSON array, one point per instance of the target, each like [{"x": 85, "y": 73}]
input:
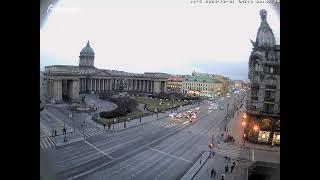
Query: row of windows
[
  {"x": 267, "y": 108},
  {"x": 194, "y": 84},
  {"x": 197, "y": 88}
]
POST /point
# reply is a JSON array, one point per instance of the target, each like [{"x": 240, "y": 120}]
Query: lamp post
[{"x": 225, "y": 127}]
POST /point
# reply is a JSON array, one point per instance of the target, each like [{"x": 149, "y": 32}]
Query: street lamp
[{"x": 255, "y": 127}]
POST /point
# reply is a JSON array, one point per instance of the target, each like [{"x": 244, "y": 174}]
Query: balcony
[
  {"x": 255, "y": 98},
  {"x": 269, "y": 99},
  {"x": 271, "y": 86}
]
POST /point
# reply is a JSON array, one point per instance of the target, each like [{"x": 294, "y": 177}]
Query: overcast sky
[{"x": 171, "y": 36}]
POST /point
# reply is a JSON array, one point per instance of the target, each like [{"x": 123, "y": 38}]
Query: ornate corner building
[
  {"x": 64, "y": 82},
  {"x": 263, "y": 100}
]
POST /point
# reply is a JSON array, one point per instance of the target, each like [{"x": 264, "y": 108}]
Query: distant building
[
  {"x": 174, "y": 84},
  {"x": 263, "y": 103},
  {"x": 201, "y": 86},
  {"x": 238, "y": 84}
]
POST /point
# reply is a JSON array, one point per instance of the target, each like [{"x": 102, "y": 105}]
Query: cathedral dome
[{"x": 87, "y": 50}]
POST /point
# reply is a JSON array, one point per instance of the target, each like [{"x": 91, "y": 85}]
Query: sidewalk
[
  {"x": 192, "y": 172},
  {"x": 71, "y": 138},
  {"x": 218, "y": 163},
  {"x": 237, "y": 132}
]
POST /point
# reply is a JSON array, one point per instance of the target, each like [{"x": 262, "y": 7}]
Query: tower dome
[
  {"x": 265, "y": 37},
  {"x": 86, "y": 56}
]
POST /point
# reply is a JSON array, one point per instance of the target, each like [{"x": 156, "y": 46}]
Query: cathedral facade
[{"x": 68, "y": 82}]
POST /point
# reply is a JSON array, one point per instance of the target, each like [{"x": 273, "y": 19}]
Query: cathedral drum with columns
[{"x": 63, "y": 82}]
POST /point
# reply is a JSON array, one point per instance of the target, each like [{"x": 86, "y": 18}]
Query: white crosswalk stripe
[
  {"x": 44, "y": 129},
  {"x": 46, "y": 143},
  {"x": 58, "y": 121},
  {"x": 92, "y": 132},
  {"x": 228, "y": 149}
]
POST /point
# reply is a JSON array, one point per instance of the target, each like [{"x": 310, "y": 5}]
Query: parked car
[
  {"x": 197, "y": 108},
  {"x": 221, "y": 107}
]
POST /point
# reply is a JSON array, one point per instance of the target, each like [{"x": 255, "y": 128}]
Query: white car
[
  {"x": 210, "y": 108},
  {"x": 221, "y": 107},
  {"x": 190, "y": 111},
  {"x": 179, "y": 115},
  {"x": 172, "y": 115},
  {"x": 228, "y": 96},
  {"x": 197, "y": 108}
]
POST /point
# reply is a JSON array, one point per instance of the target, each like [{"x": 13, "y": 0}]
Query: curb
[
  {"x": 262, "y": 149},
  {"x": 190, "y": 174}
]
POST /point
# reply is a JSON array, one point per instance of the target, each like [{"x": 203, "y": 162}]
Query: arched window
[{"x": 256, "y": 67}]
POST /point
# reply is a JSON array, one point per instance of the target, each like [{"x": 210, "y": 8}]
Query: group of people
[
  {"x": 104, "y": 126},
  {"x": 226, "y": 168},
  {"x": 229, "y": 139}
]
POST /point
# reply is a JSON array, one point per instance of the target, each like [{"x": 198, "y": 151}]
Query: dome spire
[{"x": 88, "y": 44}]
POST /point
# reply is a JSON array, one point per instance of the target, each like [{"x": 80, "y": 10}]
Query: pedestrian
[
  {"x": 234, "y": 163},
  {"x": 225, "y": 158},
  {"x": 223, "y": 176},
  {"x": 212, "y": 172},
  {"x": 228, "y": 159},
  {"x": 226, "y": 168},
  {"x": 104, "y": 126},
  {"x": 109, "y": 125},
  {"x": 55, "y": 133},
  {"x": 232, "y": 168}
]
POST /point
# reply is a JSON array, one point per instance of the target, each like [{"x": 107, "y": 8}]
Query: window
[
  {"x": 270, "y": 94},
  {"x": 268, "y": 108},
  {"x": 256, "y": 67},
  {"x": 271, "y": 70},
  {"x": 254, "y": 92},
  {"x": 271, "y": 82},
  {"x": 267, "y": 55}
]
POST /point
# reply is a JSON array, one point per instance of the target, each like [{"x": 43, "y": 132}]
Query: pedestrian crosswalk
[
  {"x": 46, "y": 143},
  {"x": 58, "y": 121},
  {"x": 169, "y": 124},
  {"x": 92, "y": 132},
  {"x": 44, "y": 129},
  {"x": 227, "y": 149}
]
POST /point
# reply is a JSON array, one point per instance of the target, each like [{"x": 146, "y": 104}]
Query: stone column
[
  {"x": 57, "y": 87},
  {"x": 156, "y": 86},
  {"x": 74, "y": 87},
  {"x": 90, "y": 85},
  {"x": 104, "y": 85},
  {"x": 85, "y": 85}
]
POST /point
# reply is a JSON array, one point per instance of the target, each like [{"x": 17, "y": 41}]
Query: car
[
  {"x": 228, "y": 96},
  {"x": 179, "y": 115},
  {"x": 172, "y": 115},
  {"x": 197, "y": 108},
  {"x": 221, "y": 107},
  {"x": 190, "y": 111},
  {"x": 210, "y": 108}
]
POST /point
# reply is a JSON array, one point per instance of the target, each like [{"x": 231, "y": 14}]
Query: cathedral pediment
[{"x": 100, "y": 73}]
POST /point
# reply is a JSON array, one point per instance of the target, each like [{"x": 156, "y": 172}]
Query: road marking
[
  {"x": 98, "y": 149},
  {"x": 185, "y": 123},
  {"x": 252, "y": 154},
  {"x": 169, "y": 155}
]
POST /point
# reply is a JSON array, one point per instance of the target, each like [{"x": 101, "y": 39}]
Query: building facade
[
  {"x": 67, "y": 82},
  {"x": 262, "y": 119},
  {"x": 175, "y": 84},
  {"x": 201, "y": 86}
]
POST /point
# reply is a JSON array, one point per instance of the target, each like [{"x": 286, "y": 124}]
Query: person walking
[
  {"x": 223, "y": 176},
  {"x": 55, "y": 133},
  {"x": 109, "y": 125},
  {"x": 104, "y": 126},
  {"x": 212, "y": 172},
  {"x": 232, "y": 168},
  {"x": 226, "y": 168}
]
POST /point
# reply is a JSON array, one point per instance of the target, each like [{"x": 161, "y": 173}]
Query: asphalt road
[{"x": 162, "y": 149}]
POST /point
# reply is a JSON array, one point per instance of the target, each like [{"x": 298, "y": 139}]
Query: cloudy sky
[{"x": 171, "y": 36}]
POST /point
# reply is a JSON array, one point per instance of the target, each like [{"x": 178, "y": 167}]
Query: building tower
[
  {"x": 86, "y": 57},
  {"x": 263, "y": 101}
]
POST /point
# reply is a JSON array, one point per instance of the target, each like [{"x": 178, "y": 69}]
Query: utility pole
[{"x": 225, "y": 127}]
